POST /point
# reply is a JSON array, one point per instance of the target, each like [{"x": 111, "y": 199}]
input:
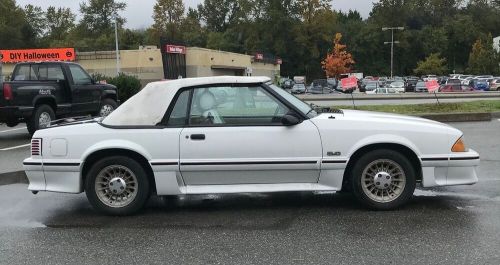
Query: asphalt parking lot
[
  {"x": 452, "y": 225},
  {"x": 14, "y": 147}
]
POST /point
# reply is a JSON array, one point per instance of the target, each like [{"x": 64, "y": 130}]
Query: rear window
[{"x": 24, "y": 72}]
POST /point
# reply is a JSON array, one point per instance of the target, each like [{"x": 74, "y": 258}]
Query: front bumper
[
  {"x": 53, "y": 176},
  {"x": 453, "y": 169}
]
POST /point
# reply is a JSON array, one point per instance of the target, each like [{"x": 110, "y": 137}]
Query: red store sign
[{"x": 175, "y": 49}]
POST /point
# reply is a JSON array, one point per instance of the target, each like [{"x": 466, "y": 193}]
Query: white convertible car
[{"x": 243, "y": 134}]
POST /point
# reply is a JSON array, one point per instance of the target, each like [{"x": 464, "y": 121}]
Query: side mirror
[{"x": 290, "y": 120}]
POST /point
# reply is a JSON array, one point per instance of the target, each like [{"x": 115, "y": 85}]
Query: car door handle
[{"x": 197, "y": 137}]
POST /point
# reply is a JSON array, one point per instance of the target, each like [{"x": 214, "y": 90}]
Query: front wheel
[
  {"x": 383, "y": 179},
  {"x": 117, "y": 186}
]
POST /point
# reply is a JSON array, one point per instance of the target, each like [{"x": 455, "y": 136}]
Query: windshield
[{"x": 303, "y": 107}]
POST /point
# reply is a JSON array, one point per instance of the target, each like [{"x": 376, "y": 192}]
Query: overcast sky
[{"x": 139, "y": 12}]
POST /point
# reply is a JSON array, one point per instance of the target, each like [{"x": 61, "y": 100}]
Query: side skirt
[{"x": 250, "y": 188}]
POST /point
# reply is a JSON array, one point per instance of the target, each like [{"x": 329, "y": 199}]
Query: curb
[
  {"x": 13, "y": 178},
  {"x": 402, "y": 96}
]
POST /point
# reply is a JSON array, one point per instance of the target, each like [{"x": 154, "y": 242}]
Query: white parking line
[
  {"x": 15, "y": 147},
  {"x": 16, "y": 129}
]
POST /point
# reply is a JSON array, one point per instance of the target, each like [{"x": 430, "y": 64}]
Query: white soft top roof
[{"x": 149, "y": 105}]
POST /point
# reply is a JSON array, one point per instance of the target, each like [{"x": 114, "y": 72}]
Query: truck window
[
  {"x": 80, "y": 77},
  {"x": 50, "y": 72},
  {"x": 24, "y": 72}
]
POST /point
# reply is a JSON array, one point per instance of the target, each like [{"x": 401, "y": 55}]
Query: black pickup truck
[{"x": 39, "y": 93}]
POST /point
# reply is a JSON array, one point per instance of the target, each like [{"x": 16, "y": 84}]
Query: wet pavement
[
  {"x": 452, "y": 225},
  {"x": 14, "y": 147}
]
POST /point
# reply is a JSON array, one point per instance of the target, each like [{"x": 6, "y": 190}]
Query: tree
[
  {"x": 483, "y": 59},
  {"x": 193, "y": 33},
  {"x": 168, "y": 16},
  {"x": 14, "y": 29},
  {"x": 218, "y": 15},
  {"x": 99, "y": 16},
  {"x": 60, "y": 22},
  {"x": 35, "y": 17},
  {"x": 338, "y": 61},
  {"x": 433, "y": 64}
]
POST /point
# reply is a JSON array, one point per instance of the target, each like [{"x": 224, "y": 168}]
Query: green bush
[{"x": 127, "y": 85}]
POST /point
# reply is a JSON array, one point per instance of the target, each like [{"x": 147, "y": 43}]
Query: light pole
[
  {"x": 116, "y": 43},
  {"x": 392, "y": 42},
  {"x": 1, "y": 68}
]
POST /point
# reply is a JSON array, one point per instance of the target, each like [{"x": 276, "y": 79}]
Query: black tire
[
  {"x": 33, "y": 122},
  {"x": 143, "y": 188},
  {"x": 107, "y": 102},
  {"x": 387, "y": 155}
]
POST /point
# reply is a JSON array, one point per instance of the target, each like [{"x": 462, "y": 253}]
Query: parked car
[
  {"x": 495, "y": 84},
  {"x": 479, "y": 84},
  {"x": 466, "y": 80},
  {"x": 319, "y": 86},
  {"x": 332, "y": 83},
  {"x": 287, "y": 84},
  {"x": 174, "y": 138},
  {"x": 453, "y": 81},
  {"x": 398, "y": 86},
  {"x": 456, "y": 88},
  {"x": 39, "y": 93},
  {"x": 410, "y": 84},
  {"x": 429, "y": 77},
  {"x": 371, "y": 86},
  {"x": 421, "y": 87},
  {"x": 383, "y": 90},
  {"x": 298, "y": 88}
]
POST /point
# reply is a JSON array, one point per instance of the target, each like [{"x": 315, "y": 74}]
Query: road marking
[
  {"x": 15, "y": 147},
  {"x": 16, "y": 129}
]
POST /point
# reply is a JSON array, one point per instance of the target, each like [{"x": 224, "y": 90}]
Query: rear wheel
[
  {"x": 117, "y": 186},
  {"x": 383, "y": 179},
  {"x": 41, "y": 118}
]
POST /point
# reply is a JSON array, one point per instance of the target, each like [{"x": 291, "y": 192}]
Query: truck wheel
[
  {"x": 107, "y": 106},
  {"x": 41, "y": 118},
  {"x": 117, "y": 185},
  {"x": 383, "y": 179}
]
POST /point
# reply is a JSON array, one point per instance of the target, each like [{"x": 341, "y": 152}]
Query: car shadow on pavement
[{"x": 261, "y": 211}]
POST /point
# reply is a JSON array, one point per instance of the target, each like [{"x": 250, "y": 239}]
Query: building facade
[{"x": 146, "y": 63}]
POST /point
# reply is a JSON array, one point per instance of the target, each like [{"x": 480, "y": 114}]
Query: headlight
[{"x": 459, "y": 146}]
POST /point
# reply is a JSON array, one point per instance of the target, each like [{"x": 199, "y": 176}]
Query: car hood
[{"x": 384, "y": 118}]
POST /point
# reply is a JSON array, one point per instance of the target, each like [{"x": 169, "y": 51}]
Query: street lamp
[
  {"x": 392, "y": 42},
  {"x": 115, "y": 16}
]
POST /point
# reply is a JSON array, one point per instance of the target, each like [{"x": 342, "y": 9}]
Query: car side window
[
  {"x": 50, "y": 72},
  {"x": 79, "y": 76},
  {"x": 25, "y": 72},
  {"x": 179, "y": 111},
  {"x": 233, "y": 106}
]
